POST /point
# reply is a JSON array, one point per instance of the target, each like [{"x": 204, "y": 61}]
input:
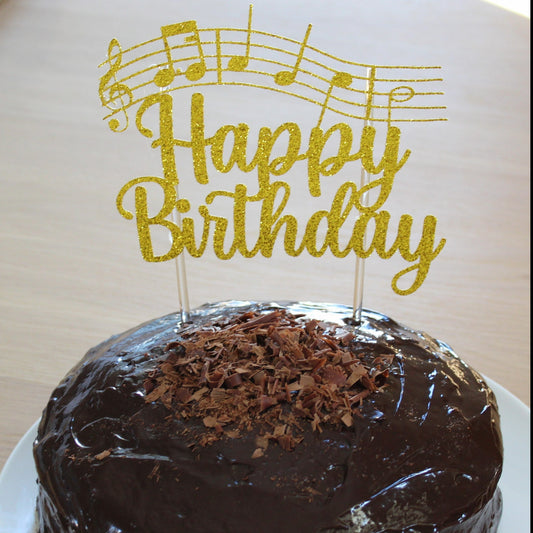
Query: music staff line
[
  {"x": 277, "y": 49},
  {"x": 274, "y": 49},
  {"x": 282, "y": 38},
  {"x": 281, "y": 50},
  {"x": 312, "y": 101},
  {"x": 303, "y": 71},
  {"x": 321, "y": 103},
  {"x": 302, "y": 84},
  {"x": 327, "y": 108},
  {"x": 167, "y": 72}
]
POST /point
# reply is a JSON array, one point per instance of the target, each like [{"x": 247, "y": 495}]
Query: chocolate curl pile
[{"x": 275, "y": 369}]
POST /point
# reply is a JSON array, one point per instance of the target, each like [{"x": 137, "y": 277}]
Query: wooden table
[{"x": 70, "y": 269}]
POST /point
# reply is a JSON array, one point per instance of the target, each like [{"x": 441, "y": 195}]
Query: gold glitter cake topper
[{"x": 141, "y": 81}]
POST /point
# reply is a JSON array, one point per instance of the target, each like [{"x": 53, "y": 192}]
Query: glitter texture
[{"x": 369, "y": 226}]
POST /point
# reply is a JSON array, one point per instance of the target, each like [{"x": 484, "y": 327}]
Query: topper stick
[
  {"x": 181, "y": 274},
  {"x": 359, "y": 261}
]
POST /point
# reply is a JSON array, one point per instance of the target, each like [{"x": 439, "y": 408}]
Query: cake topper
[{"x": 141, "y": 81}]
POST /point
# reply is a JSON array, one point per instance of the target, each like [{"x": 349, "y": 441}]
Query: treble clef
[{"x": 112, "y": 91}]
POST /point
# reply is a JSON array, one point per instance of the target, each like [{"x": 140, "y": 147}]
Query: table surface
[{"x": 71, "y": 273}]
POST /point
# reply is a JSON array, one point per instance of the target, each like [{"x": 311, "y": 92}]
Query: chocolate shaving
[
  {"x": 271, "y": 369},
  {"x": 103, "y": 455}
]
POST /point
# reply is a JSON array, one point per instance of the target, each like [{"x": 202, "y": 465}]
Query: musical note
[
  {"x": 219, "y": 56},
  {"x": 398, "y": 94},
  {"x": 239, "y": 63},
  {"x": 193, "y": 72},
  {"x": 369, "y": 91},
  {"x": 286, "y": 77},
  {"x": 109, "y": 93},
  {"x": 342, "y": 80}
]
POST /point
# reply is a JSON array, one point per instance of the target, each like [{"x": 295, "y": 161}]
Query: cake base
[{"x": 421, "y": 454}]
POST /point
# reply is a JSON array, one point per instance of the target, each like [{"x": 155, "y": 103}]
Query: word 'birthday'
[{"x": 368, "y": 225}]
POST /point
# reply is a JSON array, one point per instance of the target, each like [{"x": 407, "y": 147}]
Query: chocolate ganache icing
[{"x": 270, "y": 418}]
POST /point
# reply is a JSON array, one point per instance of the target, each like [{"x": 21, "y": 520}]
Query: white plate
[{"x": 18, "y": 489}]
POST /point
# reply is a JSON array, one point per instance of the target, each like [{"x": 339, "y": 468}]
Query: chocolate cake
[{"x": 270, "y": 418}]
